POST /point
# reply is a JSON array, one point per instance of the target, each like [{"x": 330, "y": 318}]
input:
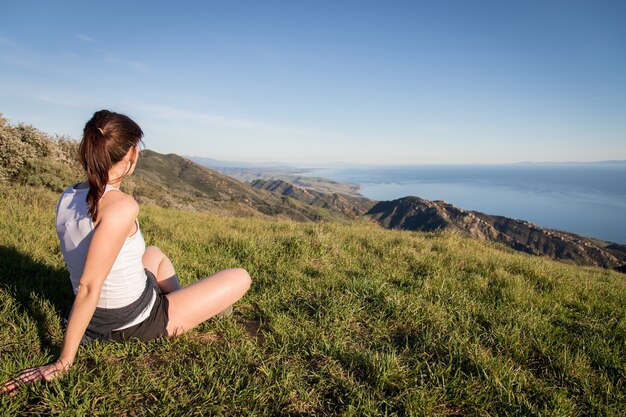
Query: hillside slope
[
  {"x": 341, "y": 319},
  {"x": 414, "y": 213},
  {"x": 173, "y": 181}
]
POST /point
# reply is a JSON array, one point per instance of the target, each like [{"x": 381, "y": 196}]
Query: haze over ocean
[{"x": 587, "y": 199}]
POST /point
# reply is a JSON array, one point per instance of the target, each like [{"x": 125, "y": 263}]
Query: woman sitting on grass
[{"x": 123, "y": 289}]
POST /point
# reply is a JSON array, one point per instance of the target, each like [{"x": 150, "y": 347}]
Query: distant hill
[
  {"x": 342, "y": 204},
  {"x": 216, "y": 163},
  {"x": 173, "y": 181},
  {"x": 248, "y": 172},
  {"x": 413, "y": 213}
]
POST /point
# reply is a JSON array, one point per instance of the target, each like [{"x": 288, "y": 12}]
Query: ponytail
[{"x": 107, "y": 137}]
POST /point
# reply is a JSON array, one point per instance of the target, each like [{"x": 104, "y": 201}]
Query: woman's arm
[{"x": 118, "y": 212}]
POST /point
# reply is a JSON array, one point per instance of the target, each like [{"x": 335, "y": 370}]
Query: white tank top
[{"x": 127, "y": 279}]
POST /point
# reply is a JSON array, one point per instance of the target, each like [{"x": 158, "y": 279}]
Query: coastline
[{"x": 586, "y": 199}]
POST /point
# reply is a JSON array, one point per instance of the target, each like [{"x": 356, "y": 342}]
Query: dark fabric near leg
[
  {"x": 155, "y": 325},
  {"x": 104, "y": 320},
  {"x": 156, "y": 317}
]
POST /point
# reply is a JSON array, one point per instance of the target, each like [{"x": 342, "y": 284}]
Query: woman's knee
[
  {"x": 153, "y": 251},
  {"x": 243, "y": 277},
  {"x": 237, "y": 279},
  {"x": 152, "y": 258}
]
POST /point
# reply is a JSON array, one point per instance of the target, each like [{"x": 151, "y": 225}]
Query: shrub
[{"x": 30, "y": 156}]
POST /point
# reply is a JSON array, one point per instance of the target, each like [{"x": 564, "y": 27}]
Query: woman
[{"x": 123, "y": 289}]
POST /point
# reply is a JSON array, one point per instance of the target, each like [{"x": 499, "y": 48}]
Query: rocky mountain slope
[
  {"x": 338, "y": 203},
  {"x": 413, "y": 213}
]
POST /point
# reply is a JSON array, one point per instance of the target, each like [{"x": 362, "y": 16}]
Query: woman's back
[{"x": 126, "y": 280}]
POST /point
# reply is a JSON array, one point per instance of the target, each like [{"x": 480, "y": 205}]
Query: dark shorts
[{"x": 155, "y": 325}]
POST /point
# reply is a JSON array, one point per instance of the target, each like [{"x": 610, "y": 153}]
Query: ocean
[{"x": 588, "y": 199}]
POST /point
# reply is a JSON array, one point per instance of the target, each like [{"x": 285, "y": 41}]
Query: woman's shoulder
[{"x": 116, "y": 203}]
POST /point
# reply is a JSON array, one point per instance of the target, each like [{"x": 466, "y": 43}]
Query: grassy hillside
[{"x": 340, "y": 320}]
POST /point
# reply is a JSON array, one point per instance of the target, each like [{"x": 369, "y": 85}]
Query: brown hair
[{"x": 107, "y": 137}]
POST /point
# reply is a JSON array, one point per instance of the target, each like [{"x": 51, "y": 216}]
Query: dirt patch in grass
[
  {"x": 253, "y": 328},
  {"x": 206, "y": 337}
]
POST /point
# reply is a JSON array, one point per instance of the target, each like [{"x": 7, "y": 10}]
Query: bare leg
[
  {"x": 204, "y": 299},
  {"x": 156, "y": 262}
]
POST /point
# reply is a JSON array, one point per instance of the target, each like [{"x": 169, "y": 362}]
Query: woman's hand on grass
[{"x": 32, "y": 375}]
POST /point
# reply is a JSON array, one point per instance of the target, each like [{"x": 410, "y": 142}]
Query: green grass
[{"x": 341, "y": 319}]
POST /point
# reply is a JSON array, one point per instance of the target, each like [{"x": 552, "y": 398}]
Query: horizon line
[{"x": 243, "y": 163}]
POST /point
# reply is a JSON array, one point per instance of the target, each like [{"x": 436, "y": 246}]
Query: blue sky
[{"x": 312, "y": 82}]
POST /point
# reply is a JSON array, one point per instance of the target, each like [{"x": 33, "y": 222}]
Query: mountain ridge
[
  {"x": 417, "y": 214},
  {"x": 341, "y": 204}
]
